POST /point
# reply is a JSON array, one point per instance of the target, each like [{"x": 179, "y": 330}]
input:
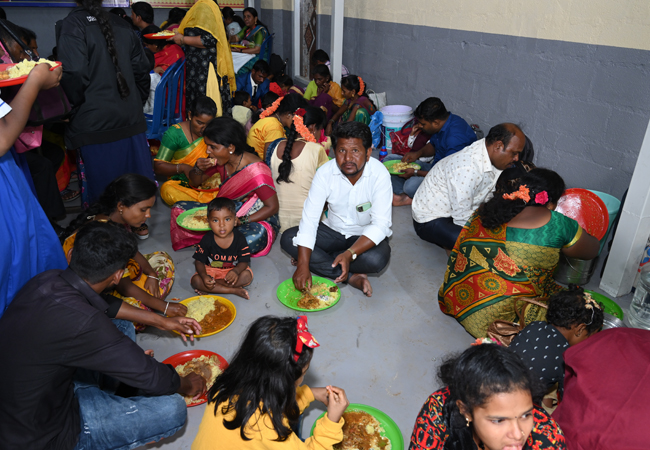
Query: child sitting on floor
[
  {"x": 222, "y": 257},
  {"x": 572, "y": 317},
  {"x": 257, "y": 401},
  {"x": 242, "y": 109}
]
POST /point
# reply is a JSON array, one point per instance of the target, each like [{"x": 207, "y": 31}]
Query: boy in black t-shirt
[{"x": 222, "y": 257}]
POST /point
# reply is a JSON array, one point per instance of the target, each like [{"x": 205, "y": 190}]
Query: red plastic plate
[
  {"x": 183, "y": 357},
  {"x": 587, "y": 209},
  {"x": 18, "y": 80}
]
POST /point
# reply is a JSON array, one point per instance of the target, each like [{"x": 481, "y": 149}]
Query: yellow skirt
[{"x": 171, "y": 192}]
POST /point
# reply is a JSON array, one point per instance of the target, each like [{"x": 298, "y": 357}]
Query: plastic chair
[
  {"x": 178, "y": 94},
  {"x": 267, "y": 48},
  {"x": 164, "y": 104}
]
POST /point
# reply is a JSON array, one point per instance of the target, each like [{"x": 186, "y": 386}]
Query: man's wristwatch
[
  {"x": 416, "y": 172},
  {"x": 354, "y": 255}
]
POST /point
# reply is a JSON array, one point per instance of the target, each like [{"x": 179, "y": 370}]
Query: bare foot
[
  {"x": 401, "y": 200},
  {"x": 294, "y": 262},
  {"x": 242, "y": 293},
  {"x": 361, "y": 282}
]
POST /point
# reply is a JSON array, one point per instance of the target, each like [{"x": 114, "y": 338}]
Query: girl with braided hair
[
  {"x": 273, "y": 121},
  {"x": 510, "y": 248},
  {"x": 106, "y": 78},
  {"x": 294, "y": 161}
]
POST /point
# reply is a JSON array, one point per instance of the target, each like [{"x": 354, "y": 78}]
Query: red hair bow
[{"x": 304, "y": 337}]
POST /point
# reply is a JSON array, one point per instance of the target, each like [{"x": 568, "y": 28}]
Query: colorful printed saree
[
  {"x": 486, "y": 271},
  {"x": 364, "y": 112}
]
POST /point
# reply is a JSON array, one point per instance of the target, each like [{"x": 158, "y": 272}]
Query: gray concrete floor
[{"x": 384, "y": 350}]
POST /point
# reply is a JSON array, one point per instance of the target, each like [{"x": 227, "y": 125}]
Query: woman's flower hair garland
[
  {"x": 362, "y": 86},
  {"x": 523, "y": 194},
  {"x": 299, "y": 123},
  {"x": 485, "y": 340},
  {"x": 541, "y": 198},
  {"x": 271, "y": 109}
]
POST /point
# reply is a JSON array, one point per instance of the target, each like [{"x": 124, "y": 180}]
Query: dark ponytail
[
  {"x": 313, "y": 116},
  {"x": 498, "y": 210},
  {"x": 128, "y": 189},
  {"x": 94, "y": 8}
]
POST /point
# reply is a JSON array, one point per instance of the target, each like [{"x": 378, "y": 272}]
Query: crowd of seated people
[{"x": 269, "y": 161}]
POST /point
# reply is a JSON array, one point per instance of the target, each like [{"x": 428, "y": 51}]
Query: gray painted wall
[{"x": 585, "y": 107}]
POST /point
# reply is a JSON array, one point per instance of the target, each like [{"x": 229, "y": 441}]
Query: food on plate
[
  {"x": 198, "y": 219},
  {"x": 212, "y": 183},
  {"x": 210, "y": 313},
  {"x": 402, "y": 166},
  {"x": 362, "y": 431},
  {"x": 168, "y": 33},
  {"x": 319, "y": 296},
  {"x": 23, "y": 68},
  {"x": 207, "y": 367}
]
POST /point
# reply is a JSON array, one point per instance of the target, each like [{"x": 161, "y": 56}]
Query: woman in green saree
[
  {"x": 182, "y": 145},
  {"x": 510, "y": 248},
  {"x": 252, "y": 36},
  {"x": 357, "y": 107}
]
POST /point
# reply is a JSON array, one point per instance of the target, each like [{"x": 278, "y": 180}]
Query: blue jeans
[
  {"x": 442, "y": 232},
  {"x": 403, "y": 185},
  {"x": 112, "y": 422}
]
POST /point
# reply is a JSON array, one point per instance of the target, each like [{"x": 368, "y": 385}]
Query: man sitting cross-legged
[
  {"x": 352, "y": 240},
  {"x": 63, "y": 359}
]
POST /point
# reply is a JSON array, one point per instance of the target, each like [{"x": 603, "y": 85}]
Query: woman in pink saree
[{"x": 244, "y": 178}]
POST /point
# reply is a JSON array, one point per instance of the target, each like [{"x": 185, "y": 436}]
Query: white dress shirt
[
  {"x": 456, "y": 186},
  {"x": 253, "y": 87},
  {"x": 4, "y": 108},
  {"x": 331, "y": 186}
]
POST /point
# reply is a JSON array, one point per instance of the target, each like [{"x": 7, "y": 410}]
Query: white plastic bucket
[{"x": 395, "y": 116}]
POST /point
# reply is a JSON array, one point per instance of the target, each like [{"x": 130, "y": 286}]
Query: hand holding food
[
  {"x": 183, "y": 325},
  {"x": 337, "y": 402},
  {"x": 410, "y": 157},
  {"x": 41, "y": 74},
  {"x": 176, "y": 310},
  {"x": 205, "y": 163},
  {"x": 302, "y": 277},
  {"x": 208, "y": 281},
  {"x": 192, "y": 385}
]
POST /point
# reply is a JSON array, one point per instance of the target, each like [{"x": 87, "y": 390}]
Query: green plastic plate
[
  {"x": 611, "y": 307},
  {"x": 389, "y": 165},
  {"x": 180, "y": 218},
  {"x": 289, "y": 295},
  {"x": 391, "y": 430}
]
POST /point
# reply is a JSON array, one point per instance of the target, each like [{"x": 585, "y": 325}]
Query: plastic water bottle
[
  {"x": 382, "y": 153},
  {"x": 639, "y": 313}
]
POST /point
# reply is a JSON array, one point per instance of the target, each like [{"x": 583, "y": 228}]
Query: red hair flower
[
  {"x": 541, "y": 198},
  {"x": 362, "y": 86},
  {"x": 301, "y": 112}
]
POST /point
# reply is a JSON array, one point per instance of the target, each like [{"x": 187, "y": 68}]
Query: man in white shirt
[
  {"x": 458, "y": 184},
  {"x": 352, "y": 240}
]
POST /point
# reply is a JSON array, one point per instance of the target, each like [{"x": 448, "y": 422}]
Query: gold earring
[
  {"x": 467, "y": 419},
  {"x": 121, "y": 212}
]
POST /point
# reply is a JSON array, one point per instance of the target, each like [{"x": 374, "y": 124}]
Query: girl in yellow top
[
  {"x": 254, "y": 403},
  {"x": 272, "y": 123},
  {"x": 324, "y": 93}
]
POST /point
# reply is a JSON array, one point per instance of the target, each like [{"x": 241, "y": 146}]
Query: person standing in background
[{"x": 106, "y": 78}]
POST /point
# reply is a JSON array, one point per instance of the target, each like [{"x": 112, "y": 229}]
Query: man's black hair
[
  {"x": 100, "y": 250},
  {"x": 501, "y": 133},
  {"x": 320, "y": 56},
  {"x": 431, "y": 109},
  {"x": 348, "y": 130},
  {"x": 262, "y": 66},
  {"x": 144, "y": 10},
  {"x": 240, "y": 97}
]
